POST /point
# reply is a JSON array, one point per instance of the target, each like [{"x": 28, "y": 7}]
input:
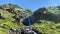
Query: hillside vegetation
[
  {"x": 10, "y": 17},
  {"x": 46, "y": 20}
]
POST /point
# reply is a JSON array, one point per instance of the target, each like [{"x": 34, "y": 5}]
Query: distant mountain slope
[{"x": 50, "y": 14}]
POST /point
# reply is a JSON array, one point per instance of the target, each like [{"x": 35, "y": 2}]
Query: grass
[
  {"x": 47, "y": 27},
  {"x": 7, "y": 26},
  {"x": 8, "y": 21}
]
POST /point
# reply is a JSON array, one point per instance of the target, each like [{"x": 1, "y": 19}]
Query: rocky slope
[{"x": 11, "y": 16}]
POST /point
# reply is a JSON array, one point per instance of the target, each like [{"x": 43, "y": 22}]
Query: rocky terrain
[
  {"x": 44, "y": 20},
  {"x": 11, "y": 16}
]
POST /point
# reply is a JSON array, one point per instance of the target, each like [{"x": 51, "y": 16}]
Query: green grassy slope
[
  {"x": 7, "y": 20},
  {"x": 10, "y": 16},
  {"x": 47, "y": 20}
]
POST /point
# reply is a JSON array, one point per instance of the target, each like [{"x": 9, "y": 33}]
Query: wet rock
[{"x": 26, "y": 30}]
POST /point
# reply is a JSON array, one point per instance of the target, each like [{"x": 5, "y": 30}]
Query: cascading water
[{"x": 28, "y": 29}]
